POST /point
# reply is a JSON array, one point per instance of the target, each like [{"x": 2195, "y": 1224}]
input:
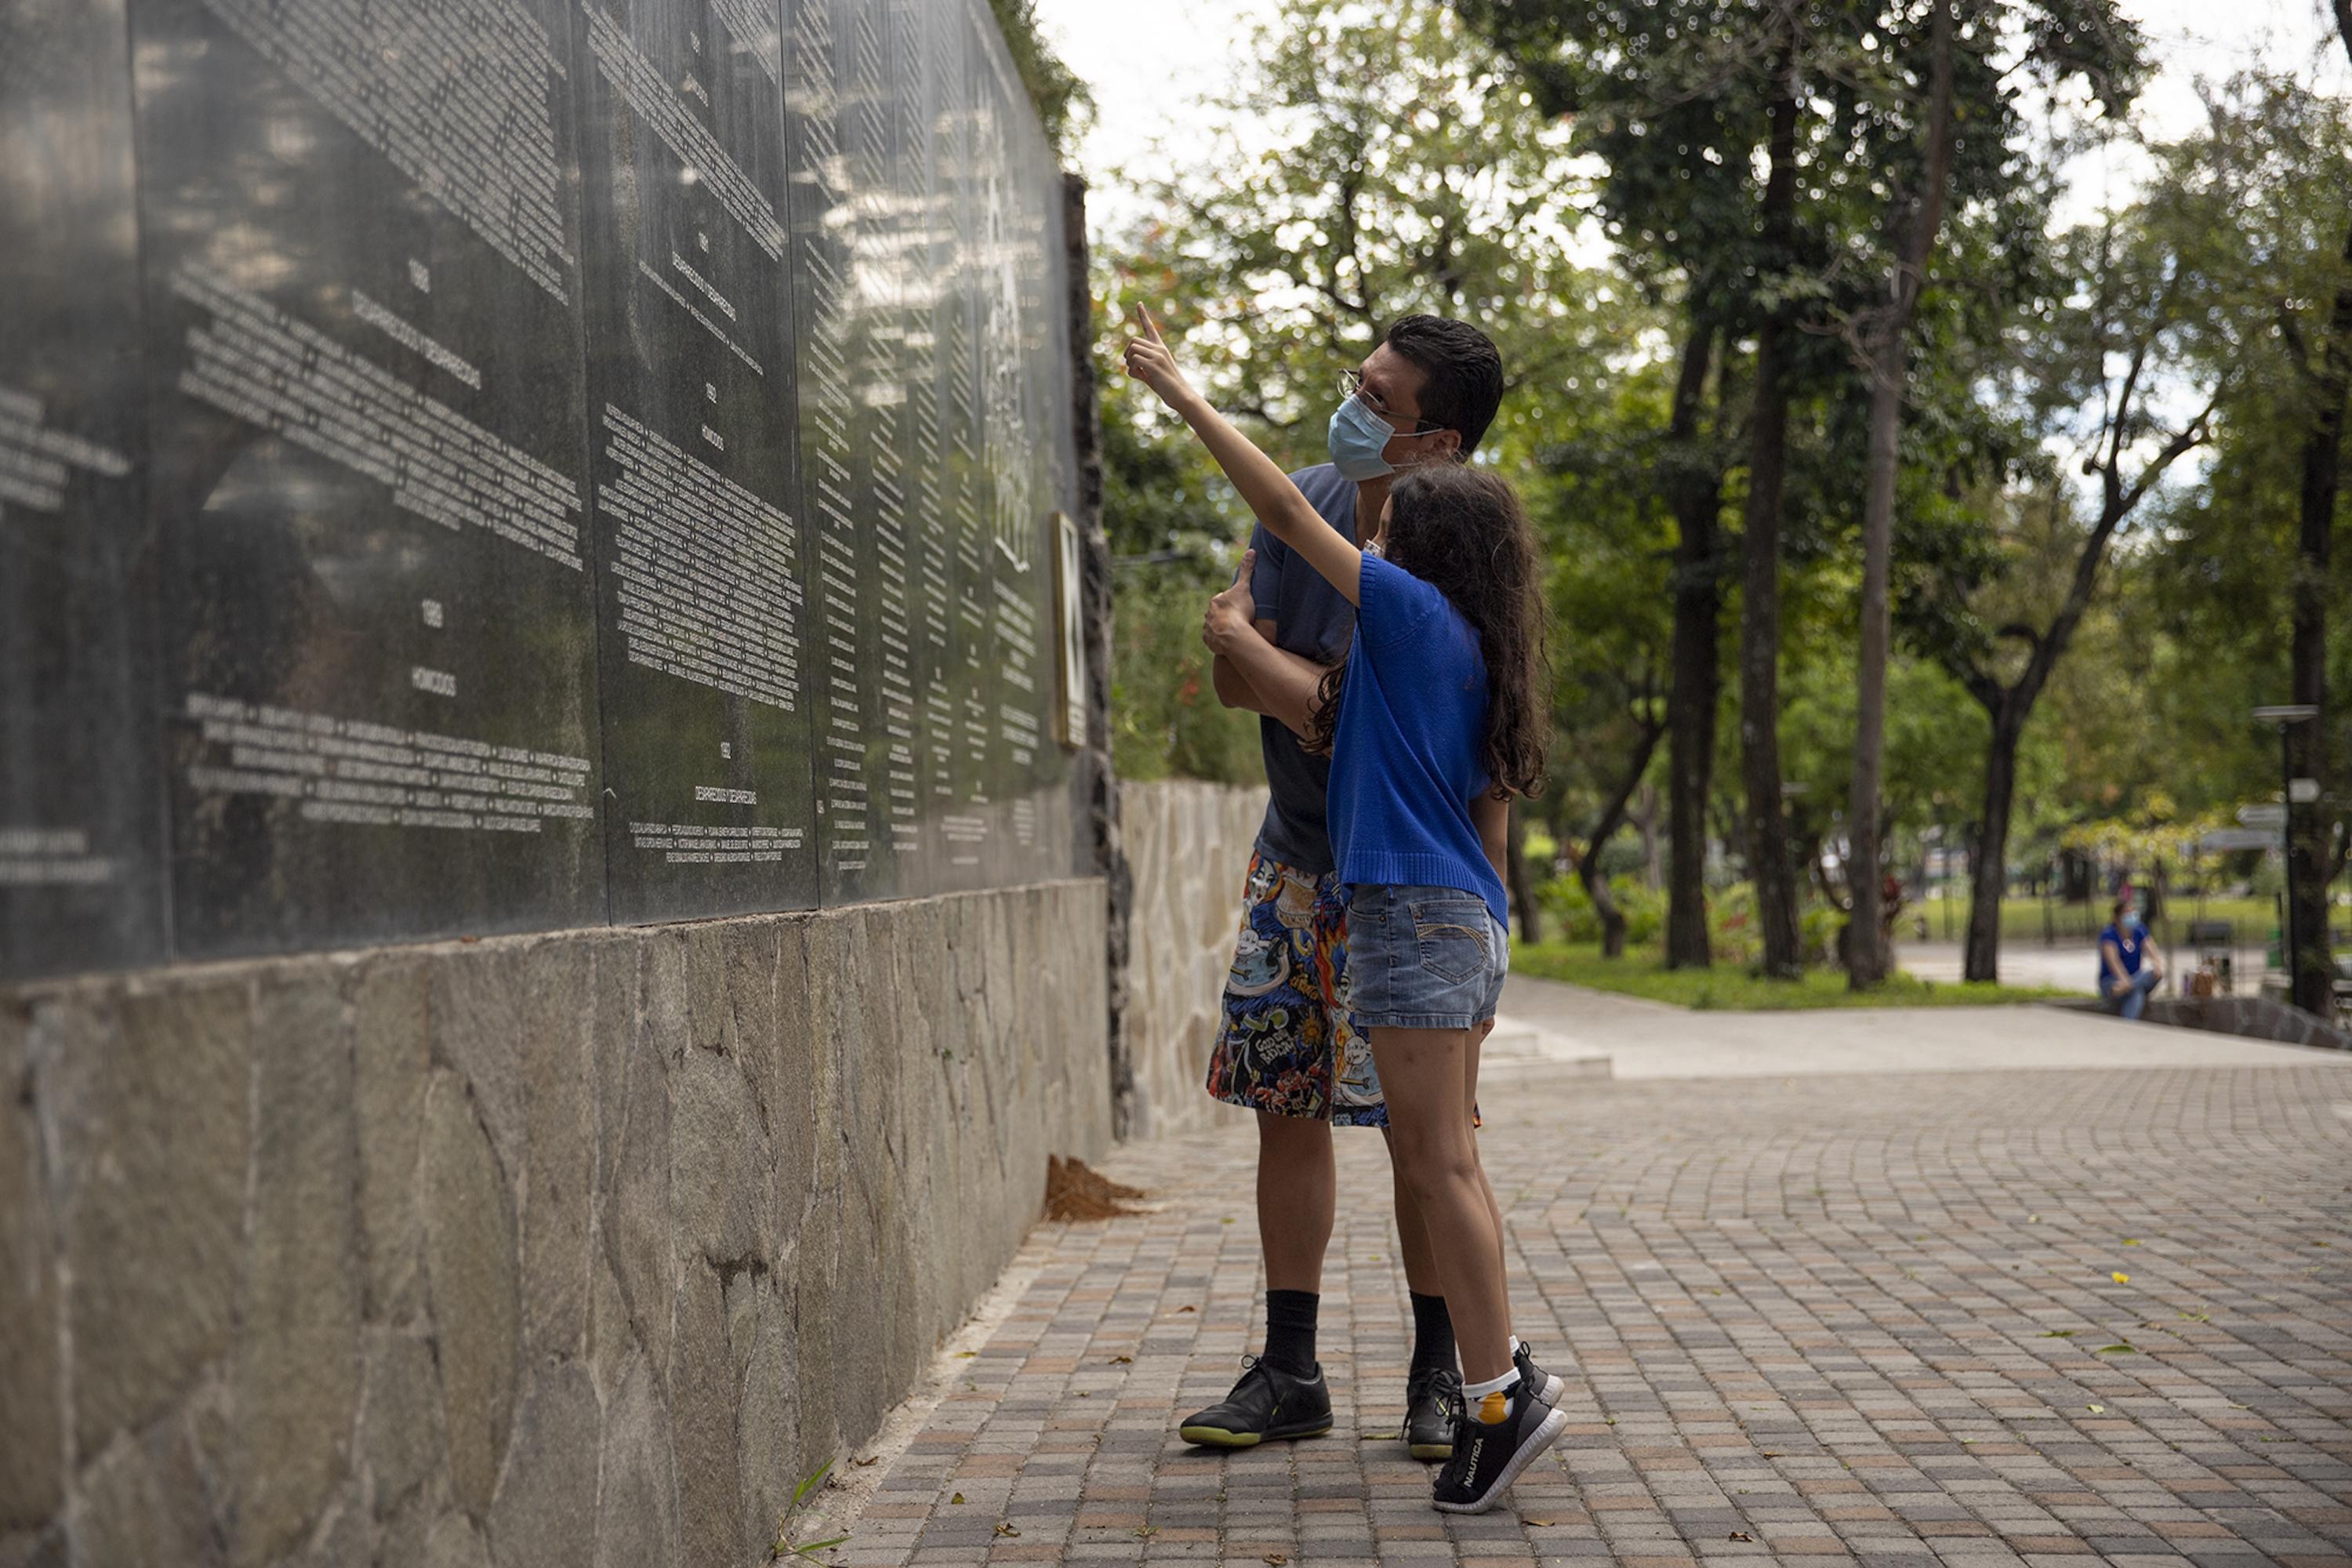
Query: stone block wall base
[
  {"x": 2253, "y": 1018},
  {"x": 1188, "y": 849},
  {"x": 579, "y": 1250}
]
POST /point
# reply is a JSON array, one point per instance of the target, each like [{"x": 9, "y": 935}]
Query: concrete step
[{"x": 1517, "y": 1044}]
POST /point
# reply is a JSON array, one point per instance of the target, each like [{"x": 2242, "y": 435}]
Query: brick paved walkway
[{"x": 1871, "y": 1319}]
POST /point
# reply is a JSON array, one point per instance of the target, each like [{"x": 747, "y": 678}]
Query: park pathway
[{"x": 1915, "y": 1314}]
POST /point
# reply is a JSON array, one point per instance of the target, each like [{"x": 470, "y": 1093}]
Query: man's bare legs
[
  {"x": 1297, "y": 1195},
  {"x": 1298, "y": 1203},
  {"x": 1298, "y": 1184},
  {"x": 1282, "y": 1394}
]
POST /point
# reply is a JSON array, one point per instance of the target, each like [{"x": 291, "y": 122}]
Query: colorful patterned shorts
[{"x": 1288, "y": 1044}]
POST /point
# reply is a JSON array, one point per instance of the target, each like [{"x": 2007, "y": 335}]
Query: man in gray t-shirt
[{"x": 1288, "y": 1049}]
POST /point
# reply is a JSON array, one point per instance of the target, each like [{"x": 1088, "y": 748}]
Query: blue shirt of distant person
[{"x": 2128, "y": 966}]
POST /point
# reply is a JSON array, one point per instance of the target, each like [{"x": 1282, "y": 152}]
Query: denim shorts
[{"x": 1424, "y": 958}]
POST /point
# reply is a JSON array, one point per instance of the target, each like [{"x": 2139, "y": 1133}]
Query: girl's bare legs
[
  {"x": 1425, "y": 1082},
  {"x": 1421, "y": 1275},
  {"x": 1470, "y": 1091}
]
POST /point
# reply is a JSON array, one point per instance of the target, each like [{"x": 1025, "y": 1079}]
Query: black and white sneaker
[
  {"x": 1489, "y": 1456},
  {"x": 1266, "y": 1405},
  {"x": 1547, "y": 1387},
  {"x": 1432, "y": 1400}
]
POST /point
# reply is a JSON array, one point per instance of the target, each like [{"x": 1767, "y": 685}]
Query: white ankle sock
[{"x": 1488, "y": 1400}]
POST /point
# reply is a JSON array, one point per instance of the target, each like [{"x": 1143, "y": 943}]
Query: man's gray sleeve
[{"x": 1265, "y": 582}]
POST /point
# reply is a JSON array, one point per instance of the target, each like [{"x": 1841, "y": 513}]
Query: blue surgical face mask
[{"x": 1358, "y": 439}]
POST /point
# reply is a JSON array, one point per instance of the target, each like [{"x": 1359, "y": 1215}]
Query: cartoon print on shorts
[
  {"x": 1287, "y": 1045},
  {"x": 1260, "y": 966}
]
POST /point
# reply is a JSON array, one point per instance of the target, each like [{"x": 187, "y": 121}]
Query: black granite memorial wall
[
  {"x": 493, "y": 465},
  {"x": 80, "y": 861}
]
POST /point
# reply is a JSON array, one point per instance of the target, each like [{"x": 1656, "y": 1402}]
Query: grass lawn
[
  {"x": 1642, "y": 973},
  {"x": 2022, "y": 919}
]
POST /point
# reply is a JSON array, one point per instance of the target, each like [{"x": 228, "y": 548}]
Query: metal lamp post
[{"x": 2287, "y": 716}]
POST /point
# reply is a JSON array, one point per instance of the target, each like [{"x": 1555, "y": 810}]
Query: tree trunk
[
  {"x": 1644, "y": 818},
  {"x": 1604, "y": 903},
  {"x": 2309, "y": 833},
  {"x": 1759, "y": 629},
  {"x": 1988, "y": 854},
  {"x": 1864, "y": 954},
  {"x": 1697, "y": 488},
  {"x": 1523, "y": 887},
  {"x": 1867, "y": 959},
  {"x": 1612, "y": 818}
]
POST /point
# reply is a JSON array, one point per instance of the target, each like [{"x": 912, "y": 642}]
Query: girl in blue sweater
[{"x": 1433, "y": 723}]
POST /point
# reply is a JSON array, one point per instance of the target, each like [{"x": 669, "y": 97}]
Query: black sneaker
[
  {"x": 1267, "y": 1405},
  {"x": 1432, "y": 1400},
  {"x": 1489, "y": 1456},
  {"x": 1547, "y": 1387}
]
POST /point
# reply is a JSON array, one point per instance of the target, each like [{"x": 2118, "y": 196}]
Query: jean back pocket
[{"x": 1453, "y": 937}]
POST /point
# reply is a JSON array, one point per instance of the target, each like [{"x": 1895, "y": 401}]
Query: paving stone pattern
[{"x": 1878, "y": 1319}]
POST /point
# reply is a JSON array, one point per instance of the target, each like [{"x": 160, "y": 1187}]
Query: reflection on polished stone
[
  {"x": 514, "y": 464},
  {"x": 700, "y": 540},
  {"x": 81, "y": 870},
  {"x": 370, "y": 519}
]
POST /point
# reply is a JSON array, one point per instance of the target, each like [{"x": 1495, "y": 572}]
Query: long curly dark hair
[{"x": 1463, "y": 531}]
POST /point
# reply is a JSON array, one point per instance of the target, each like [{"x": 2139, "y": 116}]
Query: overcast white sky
[{"x": 1147, "y": 74}]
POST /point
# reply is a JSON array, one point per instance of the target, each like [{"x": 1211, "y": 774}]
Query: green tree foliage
[
  {"x": 1063, "y": 101},
  {"x": 1413, "y": 173},
  {"x": 2264, "y": 191},
  {"x": 2087, "y": 543}
]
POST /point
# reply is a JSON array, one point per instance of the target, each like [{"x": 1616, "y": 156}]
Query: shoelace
[
  {"x": 1455, "y": 1472},
  {"x": 1445, "y": 1392}
]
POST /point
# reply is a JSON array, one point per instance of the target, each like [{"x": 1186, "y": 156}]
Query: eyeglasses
[{"x": 1351, "y": 385}]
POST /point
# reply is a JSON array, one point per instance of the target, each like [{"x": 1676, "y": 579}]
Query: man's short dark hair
[{"x": 1463, "y": 371}]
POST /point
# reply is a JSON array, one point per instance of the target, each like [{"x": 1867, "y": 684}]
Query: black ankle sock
[
  {"x": 1432, "y": 1334},
  {"x": 1291, "y": 1330}
]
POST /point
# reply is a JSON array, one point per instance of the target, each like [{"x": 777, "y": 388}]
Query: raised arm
[{"x": 1261, "y": 481}]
